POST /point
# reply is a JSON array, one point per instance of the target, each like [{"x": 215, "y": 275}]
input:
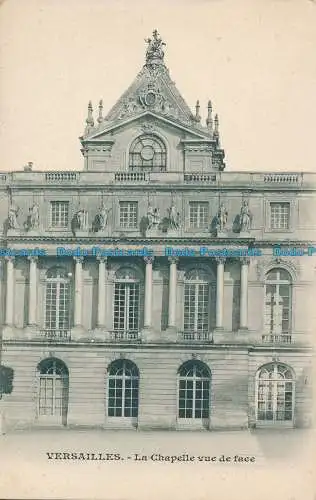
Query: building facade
[{"x": 154, "y": 289}]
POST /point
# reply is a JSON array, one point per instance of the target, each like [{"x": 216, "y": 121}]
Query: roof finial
[
  {"x": 209, "y": 120},
  {"x": 216, "y": 129},
  {"x": 155, "y": 52},
  {"x": 100, "y": 117},
  {"x": 89, "y": 120},
  {"x": 197, "y": 111},
  {"x": 216, "y": 126}
]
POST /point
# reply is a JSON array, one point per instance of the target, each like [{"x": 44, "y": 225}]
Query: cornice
[
  {"x": 248, "y": 348},
  {"x": 189, "y": 240}
]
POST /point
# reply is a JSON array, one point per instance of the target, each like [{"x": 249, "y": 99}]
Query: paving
[{"x": 132, "y": 465}]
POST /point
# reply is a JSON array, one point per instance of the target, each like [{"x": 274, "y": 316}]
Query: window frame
[
  {"x": 194, "y": 421},
  {"x": 59, "y": 383},
  {"x": 269, "y": 335},
  {"x": 275, "y": 381},
  {"x": 121, "y": 365},
  {"x": 130, "y": 279},
  {"x": 280, "y": 204},
  {"x": 277, "y": 198},
  {"x": 198, "y": 228},
  {"x": 160, "y": 143},
  {"x": 59, "y": 227},
  {"x": 128, "y": 228},
  {"x": 56, "y": 330}
]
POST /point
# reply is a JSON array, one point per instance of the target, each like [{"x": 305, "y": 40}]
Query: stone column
[
  {"x": 32, "y": 291},
  {"x": 78, "y": 291},
  {"x": 148, "y": 291},
  {"x": 220, "y": 292},
  {"x": 101, "y": 291},
  {"x": 172, "y": 292},
  {"x": 9, "y": 291},
  {"x": 244, "y": 294}
]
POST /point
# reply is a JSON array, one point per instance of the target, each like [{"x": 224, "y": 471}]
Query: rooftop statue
[{"x": 155, "y": 48}]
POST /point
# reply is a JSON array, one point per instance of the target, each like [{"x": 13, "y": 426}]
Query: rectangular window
[
  {"x": 128, "y": 214},
  {"x": 57, "y": 311},
  {"x": 277, "y": 311},
  {"x": 196, "y": 308},
  {"x": 198, "y": 214},
  {"x": 126, "y": 307},
  {"x": 280, "y": 216},
  {"x": 59, "y": 214}
]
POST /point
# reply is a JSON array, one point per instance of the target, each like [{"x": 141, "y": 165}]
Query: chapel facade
[{"x": 154, "y": 289}]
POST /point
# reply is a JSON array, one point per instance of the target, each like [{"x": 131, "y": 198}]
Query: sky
[{"x": 255, "y": 59}]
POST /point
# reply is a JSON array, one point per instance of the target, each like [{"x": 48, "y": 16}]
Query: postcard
[{"x": 158, "y": 249}]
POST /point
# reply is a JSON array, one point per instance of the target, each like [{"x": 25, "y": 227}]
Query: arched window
[
  {"x": 278, "y": 306},
  {"x": 196, "y": 307},
  {"x": 275, "y": 393},
  {"x": 123, "y": 381},
  {"x": 53, "y": 391},
  {"x": 148, "y": 152},
  {"x": 57, "y": 303},
  {"x": 194, "y": 391},
  {"x": 126, "y": 304}
]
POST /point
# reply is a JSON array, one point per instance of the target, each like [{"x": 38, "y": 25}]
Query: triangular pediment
[
  {"x": 147, "y": 120},
  {"x": 152, "y": 91},
  {"x": 152, "y": 105}
]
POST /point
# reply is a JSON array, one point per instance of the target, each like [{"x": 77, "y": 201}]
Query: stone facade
[{"x": 151, "y": 289}]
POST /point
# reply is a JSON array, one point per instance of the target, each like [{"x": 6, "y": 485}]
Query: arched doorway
[
  {"x": 123, "y": 385},
  {"x": 194, "y": 384},
  {"x": 53, "y": 390},
  {"x": 275, "y": 394}
]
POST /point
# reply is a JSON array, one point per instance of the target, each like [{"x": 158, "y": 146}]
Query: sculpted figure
[
  {"x": 13, "y": 216},
  {"x": 155, "y": 47},
  {"x": 245, "y": 217},
  {"x": 33, "y": 217},
  {"x": 156, "y": 220},
  {"x": 101, "y": 218},
  {"x": 81, "y": 218},
  {"x": 150, "y": 216},
  {"x": 222, "y": 215},
  {"x": 174, "y": 217}
]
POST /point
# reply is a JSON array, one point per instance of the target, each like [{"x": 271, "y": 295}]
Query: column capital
[
  {"x": 149, "y": 260},
  {"x": 32, "y": 258},
  {"x": 102, "y": 259},
  {"x": 78, "y": 260},
  {"x": 245, "y": 261},
  {"x": 220, "y": 260},
  {"x": 173, "y": 260},
  {"x": 9, "y": 258}
]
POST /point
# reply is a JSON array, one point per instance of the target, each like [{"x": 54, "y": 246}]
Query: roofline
[{"x": 200, "y": 134}]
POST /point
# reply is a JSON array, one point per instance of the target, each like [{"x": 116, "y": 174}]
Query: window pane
[
  {"x": 128, "y": 214},
  {"x": 199, "y": 214},
  {"x": 279, "y": 215},
  {"x": 122, "y": 378}
]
